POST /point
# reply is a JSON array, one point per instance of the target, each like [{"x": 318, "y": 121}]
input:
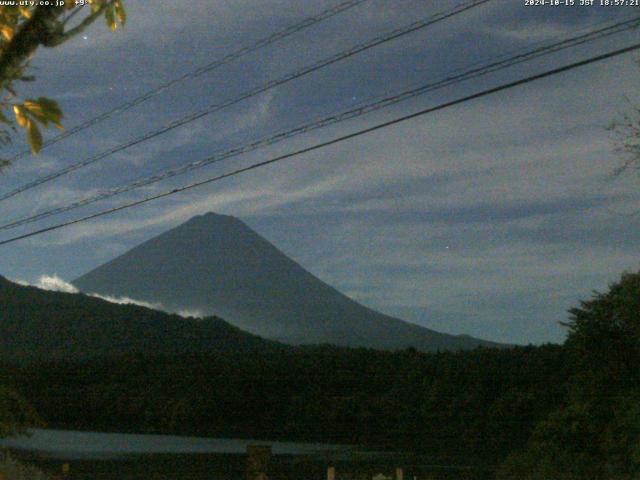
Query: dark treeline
[
  {"x": 466, "y": 407},
  {"x": 38, "y": 325},
  {"x": 565, "y": 412}
]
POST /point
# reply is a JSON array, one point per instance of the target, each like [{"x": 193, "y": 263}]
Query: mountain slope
[
  {"x": 217, "y": 265},
  {"x": 38, "y": 325}
]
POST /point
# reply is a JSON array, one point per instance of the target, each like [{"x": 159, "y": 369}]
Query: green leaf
[
  {"x": 44, "y": 110},
  {"x": 51, "y": 107},
  {"x": 36, "y": 111},
  {"x": 7, "y": 32},
  {"x": 21, "y": 116},
  {"x": 35, "y": 137},
  {"x": 121, "y": 13},
  {"x": 96, "y": 5},
  {"x": 25, "y": 12},
  {"x": 110, "y": 17}
]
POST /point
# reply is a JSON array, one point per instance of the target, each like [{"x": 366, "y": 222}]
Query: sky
[{"x": 491, "y": 218}]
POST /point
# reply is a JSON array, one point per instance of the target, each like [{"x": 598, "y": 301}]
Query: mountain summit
[{"x": 216, "y": 265}]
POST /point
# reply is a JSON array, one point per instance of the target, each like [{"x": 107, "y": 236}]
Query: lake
[
  {"x": 63, "y": 444},
  {"x": 111, "y": 456},
  {"x": 115, "y": 456}
]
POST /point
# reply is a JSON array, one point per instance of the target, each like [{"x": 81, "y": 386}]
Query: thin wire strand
[
  {"x": 392, "y": 35},
  {"x": 231, "y": 57},
  {"x": 362, "y": 109},
  {"x": 334, "y": 141}
]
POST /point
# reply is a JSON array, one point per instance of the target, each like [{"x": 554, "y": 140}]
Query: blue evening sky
[{"x": 490, "y": 218}]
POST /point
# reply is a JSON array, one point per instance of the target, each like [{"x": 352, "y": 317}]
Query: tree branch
[
  {"x": 34, "y": 32},
  {"x": 61, "y": 38}
]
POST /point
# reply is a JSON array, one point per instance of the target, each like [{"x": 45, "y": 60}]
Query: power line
[
  {"x": 334, "y": 141},
  {"x": 362, "y": 109},
  {"x": 389, "y": 36},
  {"x": 231, "y": 57}
]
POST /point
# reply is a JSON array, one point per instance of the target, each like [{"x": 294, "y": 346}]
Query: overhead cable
[
  {"x": 231, "y": 57},
  {"x": 334, "y": 141},
  {"x": 337, "y": 118},
  {"x": 389, "y": 36}
]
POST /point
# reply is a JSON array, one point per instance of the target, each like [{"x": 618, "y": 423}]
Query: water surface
[{"x": 87, "y": 445}]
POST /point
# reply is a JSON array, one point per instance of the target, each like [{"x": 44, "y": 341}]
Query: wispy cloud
[
  {"x": 513, "y": 184},
  {"x": 54, "y": 283},
  {"x": 535, "y": 32}
]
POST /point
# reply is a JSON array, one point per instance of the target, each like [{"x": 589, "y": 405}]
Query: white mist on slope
[
  {"x": 56, "y": 284},
  {"x": 190, "y": 313}
]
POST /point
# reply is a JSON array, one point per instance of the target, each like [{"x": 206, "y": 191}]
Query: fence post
[
  {"x": 331, "y": 473},
  {"x": 258, "y": 457}
]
